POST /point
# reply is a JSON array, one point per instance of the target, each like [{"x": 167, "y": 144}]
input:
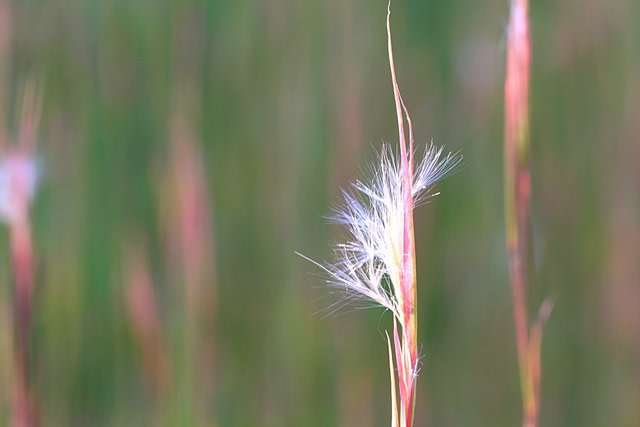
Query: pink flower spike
[{"x": 18, "y": 180}]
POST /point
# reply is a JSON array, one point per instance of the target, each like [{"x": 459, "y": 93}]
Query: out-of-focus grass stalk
[
  {"x": 187, "y": 221},
  {"x": 146, "y": 326},
  {"x": 5, "y": 55},
  {"x": 6, "y": 326},
  {"x": 517, "y": 206},
  {"x": 22, "y": 262},
  {"x": 18, "y": 175},
  {"x": 190, "y": 260},
  {"x": 517, "y": 179}
]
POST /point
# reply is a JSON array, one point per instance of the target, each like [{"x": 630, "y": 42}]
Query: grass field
[{"x": 188, "y": 149}]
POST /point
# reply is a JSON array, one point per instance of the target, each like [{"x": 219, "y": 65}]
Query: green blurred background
[{"x": 253, "y": 114}]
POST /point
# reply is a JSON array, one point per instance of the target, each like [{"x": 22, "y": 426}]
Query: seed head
[{"x": 368, "y": 265}]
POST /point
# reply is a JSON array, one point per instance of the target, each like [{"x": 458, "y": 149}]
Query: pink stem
[
  {"x": 22, "y": 259},
  {"x": 518, "y": 192},
  {"x": 407, "y": 274}
]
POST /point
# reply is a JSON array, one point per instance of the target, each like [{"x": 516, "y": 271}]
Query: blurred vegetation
[{"x": 280, "y": 104}]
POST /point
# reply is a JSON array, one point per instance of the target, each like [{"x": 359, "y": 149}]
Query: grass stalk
[
  {"x": 378, "y": 263},
  {"x": 6, "y": 32},
  {"x": 146, "y": 324},
  {"x": 407, "y": 350},
  {"x": 189, "y": 250},
  {"x": 22, "y": 266},
  {"x": 517, "y": 207},
  {"x": 19, "y": 175}
]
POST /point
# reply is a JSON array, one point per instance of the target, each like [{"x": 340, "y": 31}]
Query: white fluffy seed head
[{"x": 368, "y": 265}]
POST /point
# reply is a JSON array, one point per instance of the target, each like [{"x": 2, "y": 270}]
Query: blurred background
[{"x": 189, "y": 148}]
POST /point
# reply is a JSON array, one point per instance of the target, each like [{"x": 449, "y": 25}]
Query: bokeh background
[{"x": 189, "y": 148}]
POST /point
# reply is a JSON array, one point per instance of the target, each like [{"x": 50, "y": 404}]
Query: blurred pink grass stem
[
  {"x": 517, "y": 207},
  {"x": 188, "y": 218},
  {"x": 190, "y": 256},
  {"x": 18, "y": 177},
  {"x": 145, "y": 322},
  {"x": 22, "y": 262}
]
